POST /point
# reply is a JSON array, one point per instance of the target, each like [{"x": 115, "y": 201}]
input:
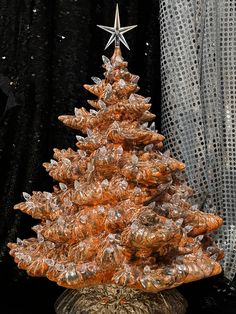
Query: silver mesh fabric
[{"x": 198, "y": 60}]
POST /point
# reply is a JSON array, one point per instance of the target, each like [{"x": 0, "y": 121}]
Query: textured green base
[{"x": 115, "y": 299}]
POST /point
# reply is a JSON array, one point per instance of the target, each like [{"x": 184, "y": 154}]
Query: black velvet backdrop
[{"x": 48, "y": 50}]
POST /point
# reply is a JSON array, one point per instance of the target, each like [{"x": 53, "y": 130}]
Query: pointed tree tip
[
  {"x": 87, "y": 87},
  {"x": 116, "y": 53},
  {"x": 11, "y": 245},
  {"x": 61, "y": 118}
]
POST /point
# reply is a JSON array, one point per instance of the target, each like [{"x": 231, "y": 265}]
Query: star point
[{"x": 117, "y": 31}]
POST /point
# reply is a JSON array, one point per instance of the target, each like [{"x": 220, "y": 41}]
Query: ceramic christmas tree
[{"x": 119, "y": 215}]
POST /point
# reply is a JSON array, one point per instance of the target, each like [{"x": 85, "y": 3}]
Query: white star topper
[{"x": 117, "y": 31}]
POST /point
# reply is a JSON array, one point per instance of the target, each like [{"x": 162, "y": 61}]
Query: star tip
[{"x": 107, "y": 45}]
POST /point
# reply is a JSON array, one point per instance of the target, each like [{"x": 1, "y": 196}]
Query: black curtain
[{"x": 48, "y": 50}]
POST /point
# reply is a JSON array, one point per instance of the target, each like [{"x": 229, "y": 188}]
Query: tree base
[{"x": 110, "y": 299}]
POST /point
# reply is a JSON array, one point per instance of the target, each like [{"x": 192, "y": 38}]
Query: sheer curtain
[{"x": 198, "y": 64}]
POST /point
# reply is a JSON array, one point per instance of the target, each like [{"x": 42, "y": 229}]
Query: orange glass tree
[{"x": 120, "y": 214}]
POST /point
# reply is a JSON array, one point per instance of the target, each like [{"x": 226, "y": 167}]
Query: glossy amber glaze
[{"x": 120, "y": 214}]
